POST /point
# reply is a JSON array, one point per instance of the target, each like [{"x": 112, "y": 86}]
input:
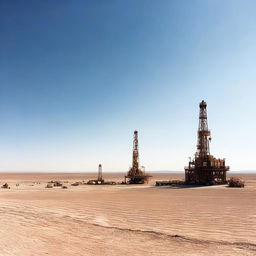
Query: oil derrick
[
  {"x": 204, "y": 169},
  {"x": 100, "y": 179},
  {"x": 136, "y": 175}
]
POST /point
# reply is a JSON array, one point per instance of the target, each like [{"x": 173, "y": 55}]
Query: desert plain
[{"x": 124, "y": 219}]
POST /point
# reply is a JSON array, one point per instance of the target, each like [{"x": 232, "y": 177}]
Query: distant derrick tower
[
  {"x": 100, "y": 180},
  {"x": 100, "y": 173},
  {"x": 135, "y": 154},
  {"x": 136, "y": 175},
  {"x": 204, "y": 169}
]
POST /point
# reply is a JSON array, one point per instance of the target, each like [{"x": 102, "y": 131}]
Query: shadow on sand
[{"x": 181, "y": 186}]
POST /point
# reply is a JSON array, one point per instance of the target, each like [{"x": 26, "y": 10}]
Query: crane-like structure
[
  {"x": 204, "y": 169},
  {"x": 136, "y": 174}
]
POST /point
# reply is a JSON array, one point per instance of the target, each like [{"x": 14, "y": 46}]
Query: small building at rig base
[{"x": 206, "y": 171}]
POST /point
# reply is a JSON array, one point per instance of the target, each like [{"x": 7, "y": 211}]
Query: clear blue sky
[{"x": 78, "y": 77}]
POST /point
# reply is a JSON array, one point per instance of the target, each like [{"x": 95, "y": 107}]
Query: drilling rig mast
[
  {"x": 136, "y": 175},
  {"x": 203, "y": 137},
  {"x": 204, "y": 169}
]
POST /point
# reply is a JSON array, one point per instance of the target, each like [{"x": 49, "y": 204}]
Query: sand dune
[{"x": 113, "y": 220}]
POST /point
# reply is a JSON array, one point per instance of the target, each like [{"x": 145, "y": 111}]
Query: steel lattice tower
[
  {"x": 135, "y": 154},
  {"x": 203, "y": 147}
]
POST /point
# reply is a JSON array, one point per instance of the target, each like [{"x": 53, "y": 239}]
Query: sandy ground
[{"x": 123, "y": 219}]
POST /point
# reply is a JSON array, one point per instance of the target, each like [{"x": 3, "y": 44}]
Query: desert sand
[{"x": 125, "y": 219}]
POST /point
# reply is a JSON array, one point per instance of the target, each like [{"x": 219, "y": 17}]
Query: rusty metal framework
[
  {"x": 204, "y": 169},
  {"x": 136, "y": 174}
]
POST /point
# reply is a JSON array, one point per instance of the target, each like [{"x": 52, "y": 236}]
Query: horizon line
[{"x": 85, "y": 172}]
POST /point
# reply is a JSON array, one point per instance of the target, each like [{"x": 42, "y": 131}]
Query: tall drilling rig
[
  {"x": 136, "y": 175},
  {"x": 204, "y": 169}
]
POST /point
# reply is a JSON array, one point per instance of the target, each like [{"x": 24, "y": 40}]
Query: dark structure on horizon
[
  {"x": 204, "y": 169},
  {"x": 136, "y": 174}
]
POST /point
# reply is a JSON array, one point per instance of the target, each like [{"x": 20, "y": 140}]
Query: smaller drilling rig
[
  {"x": 100, "y": 180},
  {"x": 205, "y": 169},
  {"x": 136, "y": 174}
]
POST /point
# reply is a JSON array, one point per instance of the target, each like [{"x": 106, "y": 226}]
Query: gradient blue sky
[{"x": 78, "y": 77}]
